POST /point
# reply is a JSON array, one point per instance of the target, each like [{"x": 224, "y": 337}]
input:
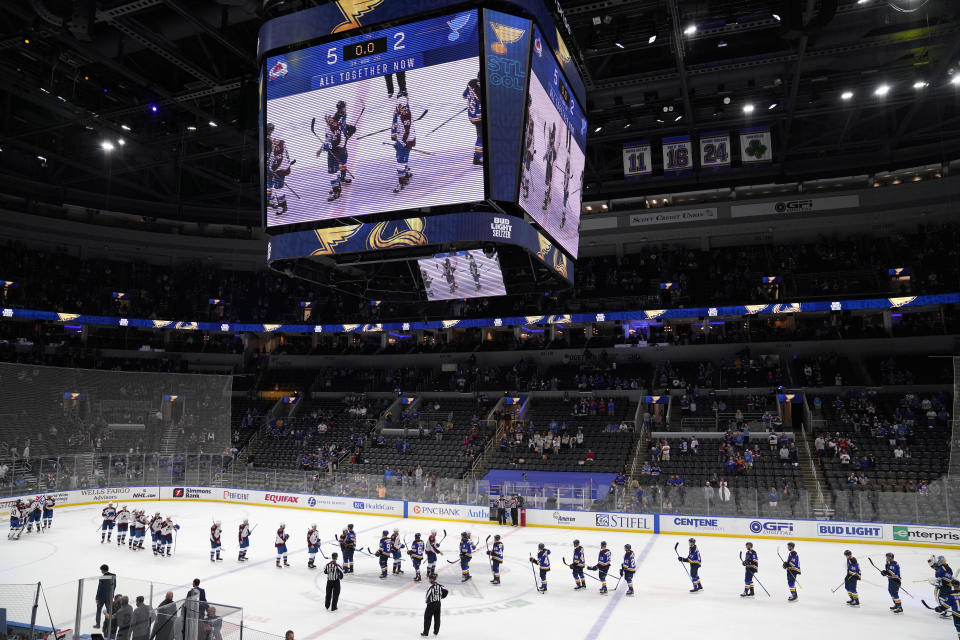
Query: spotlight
[
  {"x": 619, "y": 45},
  {"x": 690, "y": 30},
  {"x": 598, "y": 129},
  {"x": 121, "y": 141},
  {"x": 775, "y": 16},
  {"x": 660, "y": 120},
  {"x": 125, "y": 127},
  {"x": 920, "y": 84},
  {"x": 846, "y": 95},
  {"x": 726, "y": 99},
  {"x": 627, "y": 124},
  {"x": 955, "y": 80},
  {"x": 773, "y": 105},
  {"x": 882, "y": 90},
  {"x": 677, "y": 119},
  {"x": 652, "y": 39},
  {"x": 153, "y": 107},
  {"x": 191, "y": 127},
  {"x": 107, "y": 146},
  {"x": 26, "y": 41},
  {"x": 212, "y": 123},
  {"x": 721, "y": 44},
  {"x": 748, "y": 108}
]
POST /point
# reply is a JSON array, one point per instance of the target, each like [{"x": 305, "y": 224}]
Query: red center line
[{"x": 386, "y": 598}]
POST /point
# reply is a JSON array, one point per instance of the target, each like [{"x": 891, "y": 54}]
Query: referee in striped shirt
[
  {"x": 435, "y": 593},
  {"x": 334, "y": 575}
]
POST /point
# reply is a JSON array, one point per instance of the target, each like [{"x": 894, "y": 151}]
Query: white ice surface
[{"x": 292, "y": 598}]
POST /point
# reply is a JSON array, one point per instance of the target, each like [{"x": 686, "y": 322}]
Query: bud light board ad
[
  {"x": 383, "y": 121},
  {"x": 464, "y": 274},
  {"x": 554, "y": 140}
]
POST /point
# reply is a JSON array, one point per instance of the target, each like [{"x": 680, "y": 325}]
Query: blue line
[{"x": 604, "y": 616}]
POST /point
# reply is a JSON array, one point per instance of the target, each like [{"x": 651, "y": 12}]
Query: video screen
[
  {"x": 382, "y": 121},
  {"x": 551, "y": 173},
  {"x": 464, "y": 274}
]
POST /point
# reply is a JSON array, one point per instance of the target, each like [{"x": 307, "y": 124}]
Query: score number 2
[{"x": 398, "y": 45}]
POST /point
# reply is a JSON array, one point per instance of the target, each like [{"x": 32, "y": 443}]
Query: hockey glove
[
  {"x": 621, "y": 571},
  {"x": 351, "y": 130},
  {"x": 786, "y": 565}
]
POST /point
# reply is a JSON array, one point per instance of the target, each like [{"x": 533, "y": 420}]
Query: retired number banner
[
  {"x": 756, "y": 146},
  {"x": 715, "y": 150},
  {"x": 637, "y": 159},
  {"x": 677, "y": 155}
]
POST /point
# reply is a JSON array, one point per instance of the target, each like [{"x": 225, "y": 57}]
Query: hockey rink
[{"x": 275, "y": 600}]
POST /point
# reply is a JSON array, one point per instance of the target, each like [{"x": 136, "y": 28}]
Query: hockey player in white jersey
[
  {"x": 166, "y": 536},
  {"x": 313, "y": 546},
  {"x": 335, "y": 146},
  {"x": 16, "y": 515},
  {"x": 124, "y": 518},
  {"x": 243, "y": 536},
  {"x": 281, "y": 544},
  {"x": 278, "y": 168},
  {"x": 48, "y": 504},
  {"x": 404, "y": 138},
  {"x": 33, "y": 513},
  {"x": 549, "y": 157},
  {"x": 109, "y": 516},
  {"x": 140, "y": 526},
  {"x": 215, "y": 544},
  {"x": 156, "y": 523}
]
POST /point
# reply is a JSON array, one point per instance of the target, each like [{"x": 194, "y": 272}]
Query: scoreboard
[{"x": 425, "y": 133}]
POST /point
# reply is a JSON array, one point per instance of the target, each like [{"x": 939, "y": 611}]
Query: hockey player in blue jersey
[
  {"x": 576, "y": 566},
  {"x": 416, "y": 553},
  {"x": 851, "y": 578},
  {"x": 628, "y": 567},
  {"x": 496, "y": 558},
  {"x": 750, "y": 565},
  {"x": 473, "y": 95},
  {"x": 694, "y": 560},
  {"x": 348, "y": 544},
  {"x": 891, "y": 571},
  {"x": 603, "y": 565},
  {"x": 109, "y": 516},
  {"x": 395, "y": 546},
  {"x": 281, "y": 544},
  {"x": 543, "y": 563},
  {"x": 942, "y": 578},
  {"x": 792, "y": 565},
  {"x": 48, "y": 504},
  {"x": 466, "y": 554},
  {"x": 953, "y": 605},
  {"x": 383, "y": 553}
]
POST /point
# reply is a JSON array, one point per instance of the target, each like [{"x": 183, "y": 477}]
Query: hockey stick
[
  {"x": 682, "y": 566},
  {"x": 902, "y": 588},
  {"x": 931, "y": 608},
  {"x": 426, "y": 153},
  {"x": 489, "y": 555},
  {"x": 756, "y": 578},
  {"x": 795, "y": 581},
  {"x": 320, "y": 549},
  {"x": 584, "y": 573},
  {"x": 533, "y": 570},
  {"x": 444, "y": 530},
  {"x": 837, "y": 588},
  {"x": 367, "y": 135},
  {"x": 447, "y": 120}
]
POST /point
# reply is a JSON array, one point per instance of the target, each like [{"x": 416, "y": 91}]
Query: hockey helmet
[
  {"x": 341, "y": 105},
  {"x": 627, "y": 547},
  {"x": 603, "y": 544},
  {"x": 269, "y": 128},
  {"x": 416, "y": 536},
  {"x": 385, "y": 533},
  {"x": 932, "y": 561},
  {"x": 576, "y": 543},
  {"x": 496, "y": 537},
  {"x": 890, "y": 555},
  {"x": 541, "y": 546},
  {"x": 283, "y": 524},
  {"x": 350, "y": 526},
  {"x": 848, "y": 552},
  {"x": 217, "y": 523}
]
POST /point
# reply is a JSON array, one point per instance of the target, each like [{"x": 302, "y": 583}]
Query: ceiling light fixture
[
  {"x": 677, "y": 119},
  {"x": 690, "y": 30},
  {"x": 775, "y": 16},
  {"x": 882, "y": 90},
  {"x": 212, "y": 123},
  {"x": 920, "y": 84},
  {"x": 652, "y": 39},
  {"x": 125, "y": 127},
  {"x": 107, "y": 146},
  {"x": 773, "y": 105},
  {"x": 846, "y": 95},
  {"x": 748, "y": 108},
  {"x": 619, "y": 45},
  {"x": 598, "y": 129},
  {"x": 955, "y": 80}
]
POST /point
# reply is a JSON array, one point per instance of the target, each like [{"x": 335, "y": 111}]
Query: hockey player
[
  {"x": 395, "y": 546},
  {"x": 166, "y": 536},
  {"x": 141, "y": 526},
  {"x": 891, "y": 571},
  {"x": 348, "y": 544},
  {"x": 34, "y": 511},
  {"x": 693, "y": 559},
  {"x": 450, "y": 274},
  {"x": 335, "y": 146},
  {"x": 792, "y": 565},
  {"x": 383, "y": 552},
  {"x": 123, "y": 524},
  {"x": 313, "y": 546},
  {"x": 433, "y": 550},
  {"x": 629, "y": 567},
  {"x": 851, "y": 578},
  {"x": 243, "y": 537},
  {"x": 473, "y": 95},
  {"x": 566, "y": 191},
  {"x": 549, "y": 157},
  {"x": 529, "y": 152},
  {"x": 416, "y": 555},
  {"x": 16, "y": 514},
  {"x": 603, "y": 565},
  {"x": 496, "y": 558},
  {"x": 278, "y": 168},
  {"x": 576, "y": 565},
  {"x": 943, "y": 576},
  {"x": 404, "y": 139},
  {"x": 475, "y": 274},
  {"x": 281, "y": 544},
  {"x": 156, "y": 523},
  {"x": 216, "y": 531},
  {"x": 953, "y": 602},
  {"x": 750, "y": 564},
  {"x": 543, "y": 562},
  {"x": 48, "y": 504},
  {"x": 109, "y": 515},
  {"x": 466, "y": 554}
]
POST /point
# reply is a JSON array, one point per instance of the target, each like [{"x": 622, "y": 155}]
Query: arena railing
[{"x": 938, "y": 504}]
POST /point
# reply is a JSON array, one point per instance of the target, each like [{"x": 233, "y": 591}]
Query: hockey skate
[
  {"x": 897, "y": 609},
  {"x": 793, "y": 598},
  {"x": 403, "y": 182},
  {"x": 494, "y": 581},
  {"x": 334, "y": 193},
  {"x": 630, "y": 591}
]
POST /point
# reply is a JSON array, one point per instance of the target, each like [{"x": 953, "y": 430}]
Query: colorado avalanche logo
[
  {"x": 538, "y": 47},
  {"x": 278, "y": 70}
]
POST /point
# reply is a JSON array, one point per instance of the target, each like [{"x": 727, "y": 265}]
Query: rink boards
[{"x": 668, "y": 524}]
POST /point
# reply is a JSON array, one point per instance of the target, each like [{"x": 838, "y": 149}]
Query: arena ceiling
[{"x": 156, "y": 100}]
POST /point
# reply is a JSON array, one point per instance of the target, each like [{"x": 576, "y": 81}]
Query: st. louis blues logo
[
  {"x": 277, "y": 70},
  {"x": 455, "y": 24}
]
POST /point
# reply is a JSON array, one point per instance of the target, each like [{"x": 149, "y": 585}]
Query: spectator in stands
[
  {"x": 165, "y": 618},
  {"x": 773, "y": 497},
  {"x": 923, "y": 487},
  {"x": 591, "y": 457},
  {"x": 694, "y": 445},
  {"x": 123, "y": 619},
  {"x": 210, "y": 629},
  {"x": 665, "y": 451},
  {"x": 771, "y": 437},
  {"x": 143, "y": 617},
  {"x": 784, "y": 454},
  {"x": 708, "y": 494}
]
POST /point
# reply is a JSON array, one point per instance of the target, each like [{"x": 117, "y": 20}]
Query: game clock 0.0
[{"x": 383, "y": 121}]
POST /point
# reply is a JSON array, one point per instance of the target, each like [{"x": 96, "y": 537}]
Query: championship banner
[
  {"x": 715, "y": 150},
  {"x": 637, "y": 159},
  {"x": 756, "y": 146},
  {"x": 677, "y": 155}
]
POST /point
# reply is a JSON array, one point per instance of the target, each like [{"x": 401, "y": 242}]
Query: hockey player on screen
[
  {"x": 348, "y": 544},
  {"x": 496, "y": 558},
  {"x": 166, "y": 536},
  {"x": 792, "y": 565},
  {"x": 278, "y": 168},
  {"x": 577, "y": 564},
  {"x": 335, "y": 145},
  {"x": 529, "y": 151},
  {"x": 943, "y": 576},
  {"x": 694, "y": 560},
  {"x": 433, "y": 550},
  {"x": 472, "y": 94},
  {"x": 603, "y": 565},
  {"x": 416, "y": 555},
  {"x": 16, "y": 514},
  {"x": 543, "y": 562},
  {"x": 549, "y": 157},
  {"x": 34, "y": 512},
  {"x": 404, "y": 139},
  {"x": 449, "y": 274},
  {"x": 466, "y": 554},
  {"x": 383, "y": 553},
  {"x": 474, "y": 271},
  {"x": 427, "y": 282},
  {"x": 156, "y": 523},
  {"x": 566, "y": 191}
]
